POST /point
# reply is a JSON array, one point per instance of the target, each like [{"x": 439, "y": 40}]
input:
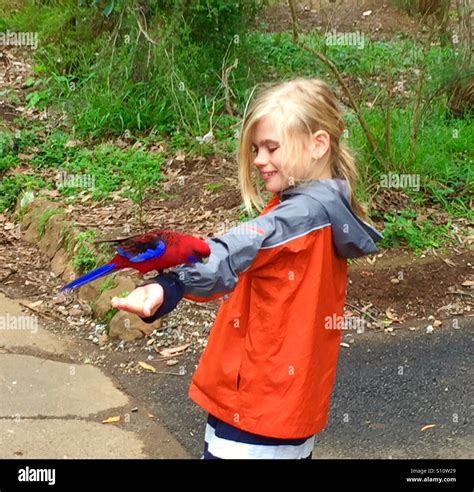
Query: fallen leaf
[
  {"x": 468, "y": 283},
  {"x": 449, "y": 262},
  {"x": 146, "y": 366},
  {"x": 172, "y": 362},
  {"x": 26, "y": 157},
  {"x": 51, "y": 193},
  {"x": 391, "y": 314},
  {"x": 437, "y": 322},
  {"x": 111, "y": 420},
  {"x": 180, "y": 155},
  {"x": 35, "y": 304},
  {"x": 175, "y": 350},
  {"x": 429, "y": 426},
  {"x": 344, "y": 344},
  {"x": 72, "y": 143}
]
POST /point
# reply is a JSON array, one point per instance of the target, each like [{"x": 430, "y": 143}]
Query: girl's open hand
[{"x": 143, "y": 301}]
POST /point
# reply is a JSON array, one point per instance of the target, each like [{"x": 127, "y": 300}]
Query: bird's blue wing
[{"x": 139, "y": 252}]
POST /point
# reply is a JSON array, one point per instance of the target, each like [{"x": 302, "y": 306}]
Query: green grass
[
  {"x": 99, "y": 170},
  {"x": 107, "y": 284},
  {"x": 44, "y": 219},
  {"x": 111, "y": 168},
  {"x": 85, "y": 256},
  {"x": 171, "y": 92},
  {"x": 107, "y": 317},
  {"x": 405, "y": 230},
  {"x": 442, "y": 158},
  {"x": 109, "y": 83},
  {"x": 214, "y": 187},
  {"x": 12, "y": 186},
  {"x": 6, "y": 143}
]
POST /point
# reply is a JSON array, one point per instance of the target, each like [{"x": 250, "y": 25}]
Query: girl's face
[
  {"x": 267, "y": 152},
  {"x": 267, "y": 155}
]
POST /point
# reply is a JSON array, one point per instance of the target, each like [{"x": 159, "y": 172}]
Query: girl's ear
[{"x": 320, "y": 143}]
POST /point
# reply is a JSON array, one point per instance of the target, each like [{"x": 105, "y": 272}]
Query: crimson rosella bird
[{"x": 154, "y": 250}]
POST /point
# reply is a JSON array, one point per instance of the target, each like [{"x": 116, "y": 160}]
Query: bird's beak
[{"x": 205, "y": 260}]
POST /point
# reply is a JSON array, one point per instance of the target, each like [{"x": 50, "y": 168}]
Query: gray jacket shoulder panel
[
  {"x": 234, "y": 252},
  {"x": 352, "y": 236},
  {"x": 302, "y": 209}
]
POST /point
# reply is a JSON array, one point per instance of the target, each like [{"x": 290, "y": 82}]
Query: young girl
[{"x": 267, "y": 373}]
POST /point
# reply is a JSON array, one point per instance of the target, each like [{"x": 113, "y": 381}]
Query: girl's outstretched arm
[
  {"x": 231, "y": 254},
  {"x": 302, "y": 211}
]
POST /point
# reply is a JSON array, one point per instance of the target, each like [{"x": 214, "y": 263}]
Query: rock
[
  {"x": 68, "y": 274},
  {"x": 32, "y": 217},
  {"x": 51, "y": 240},
  {"x": 59, "y": 262},
  {"x": 122, "y": 285},
  {"x": 33, "y": 211},
  {"x": 68, "y": 237},
  {"x": 103, "y": 339},
  {"x": 31, "y": 233},
  {"x": 127, "y": 327},
  {"x": 90, "y": 292}
]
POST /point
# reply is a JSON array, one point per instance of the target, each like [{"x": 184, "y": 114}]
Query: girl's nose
[{"x": 260, "y": 159}]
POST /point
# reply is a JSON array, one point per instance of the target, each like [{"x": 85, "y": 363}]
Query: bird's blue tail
[{"x": 88, "y": 277}]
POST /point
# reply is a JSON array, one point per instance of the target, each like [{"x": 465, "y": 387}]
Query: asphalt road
[{"x": 388, "y": 388}]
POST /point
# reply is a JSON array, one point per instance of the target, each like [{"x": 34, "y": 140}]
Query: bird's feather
[
  {"x": 136, "y": 252},
  {"x": 88, "y": 277}
]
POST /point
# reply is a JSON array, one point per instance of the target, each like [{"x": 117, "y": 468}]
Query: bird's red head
[{"x": 198, "y": 250}]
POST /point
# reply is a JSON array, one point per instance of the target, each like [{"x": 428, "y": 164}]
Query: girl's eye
[{"x": 272, "y": 150}]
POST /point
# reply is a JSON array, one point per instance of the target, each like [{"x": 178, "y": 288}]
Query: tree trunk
[{"x": 465, "y": 32}]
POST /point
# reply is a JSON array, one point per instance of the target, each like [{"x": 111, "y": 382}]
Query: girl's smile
[{"x": 267, "y": 175}]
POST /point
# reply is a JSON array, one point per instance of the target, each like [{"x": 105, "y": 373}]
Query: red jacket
[{"x": 271, "y": 357}]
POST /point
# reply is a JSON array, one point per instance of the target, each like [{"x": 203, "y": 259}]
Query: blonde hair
[{"x": 298, "y": 108}]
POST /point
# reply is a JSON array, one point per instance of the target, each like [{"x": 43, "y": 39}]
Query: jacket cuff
[{"x": 173, "y": 292}]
